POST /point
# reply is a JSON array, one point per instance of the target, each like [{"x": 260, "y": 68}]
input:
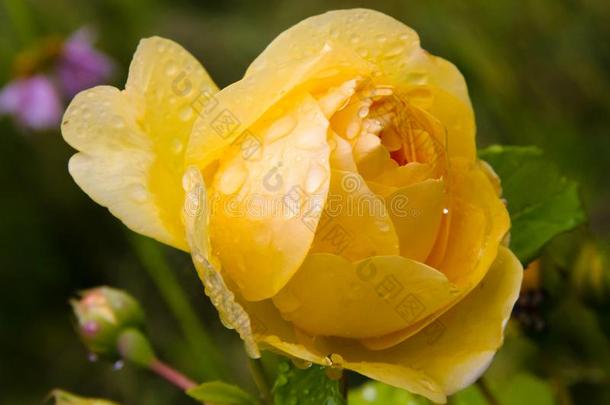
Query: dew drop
[
  {"x": 445, "y": 211},
  {"x": 334, "y": 373},
  {"x": 315, "y": 178},
  {"x": 171, "y": 68},
  {"x": 395, "y": 51},
  {"x": 186, "y": 113},
  {"x": 118, "y": 365},
  {"x": 300, "y": 363},
  {"x": 233, "y": 178},
  {"x": 419, "y": 78},
  {"x": 280, "y": 128},
  {"x": 177, "y": 145},
  {"x": 352, "y": 130},
  {"x": 363, "y": 112}
]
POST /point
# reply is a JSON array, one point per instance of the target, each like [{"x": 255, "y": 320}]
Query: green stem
[
  {"x": 156, "y": 266},
  {"x": 258, "y": 375}
]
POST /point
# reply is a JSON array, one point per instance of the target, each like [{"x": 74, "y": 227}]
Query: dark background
[{"x": 537, "y": 74}]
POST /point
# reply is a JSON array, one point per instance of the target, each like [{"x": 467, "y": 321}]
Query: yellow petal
[
  {"x": 267, "y": 206},
  {"x": 236, "y": 107},
  {"x": 402, "y": 176},
  {"x": 335, "y": 98},
  {"x": 458, "y": 347},
  {"x": 341, "y": 156},
  {"x": 416, "y": 212},
  {"x": 467, "y": 245},
  {"x": 355, "y": 222},
  {"x": 196, "y": 221},
  {"x": 372, "y": 297},
  {"x": 132, "y": 142},
  {"x": 395, "y": 49}
]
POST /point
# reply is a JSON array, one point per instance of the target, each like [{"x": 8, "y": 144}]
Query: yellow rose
[{"x": 332, "y": 198}]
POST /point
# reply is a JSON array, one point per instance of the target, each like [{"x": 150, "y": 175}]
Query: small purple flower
[
  {"x": 33, "y": 101},
  {"x": 80, "y": 66}
]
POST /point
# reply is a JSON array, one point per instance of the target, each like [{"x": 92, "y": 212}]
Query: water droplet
[
  {"x": 315, "y": 178},
  {"x": 118, "y": 365},
  {"x": 233, "y": 178},
  {"x": 171, "y": 68},
  {"x": 280, "y": 128},
  {"x": 334, "y": 373},
  {"x": 395, "y": 51},
  {"x": 427, "y": 384},
  {"x": 177, "y": 145},
  {"x": 336, "y": 359},
  {"x": 139, "y": 193},
  {"x": 300, "y": 363},
  {"x": 186, "y": 113},
  {"x": 352, "y": 130},
  {"x": 419, "y": 78},
  {"x": 445, "y": 211},
  {"x": 381, "y": 38},
  {"x": 363, "y": 112},
  {"x": 404, "y": 37}
]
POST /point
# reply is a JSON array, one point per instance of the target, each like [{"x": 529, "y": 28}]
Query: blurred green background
[{"x": 538, "y": 74}]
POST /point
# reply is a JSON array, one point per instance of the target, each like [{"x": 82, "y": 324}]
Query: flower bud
[{"x": 103, "y": 313}]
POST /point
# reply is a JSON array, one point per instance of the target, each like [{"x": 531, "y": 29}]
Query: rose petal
[
  {"x": 267, "y": 206},
  {"x": 355, "y": 222},
  {"x": 372, "y": 297},
  {"x": 132, "y": 142},
  {"x": 395, "y": 49}
]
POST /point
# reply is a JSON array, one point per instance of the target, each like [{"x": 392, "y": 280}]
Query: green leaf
[
  {"x": 376, "y": 393},
  {"x": 309, "y": 386},
  {"x": 220, "y": 393},
  {"x": 541, "y": 202},
  {"x": 66, "y": 398},
  {"x": 469, "y": 396},
  {"x": 525, "y": 388}
]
